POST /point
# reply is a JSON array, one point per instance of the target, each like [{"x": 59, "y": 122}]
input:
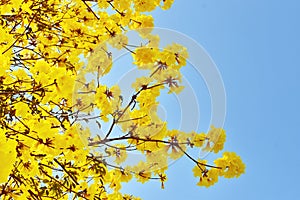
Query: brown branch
[
  {"x": 26, "y": 29},
  {"x": 63, "y": 167},
  {"x": 194, "y": 160},
  {"x": 61, "y": 184},
  {"x": 89, "y": 8},
  {"x": 132, "y": 119}
]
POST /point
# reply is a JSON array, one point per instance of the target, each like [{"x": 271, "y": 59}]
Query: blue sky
[{"x": 255, "y": 46}]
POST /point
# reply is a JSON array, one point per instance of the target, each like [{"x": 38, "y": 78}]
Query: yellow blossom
[{"x": 8, "y": 156}]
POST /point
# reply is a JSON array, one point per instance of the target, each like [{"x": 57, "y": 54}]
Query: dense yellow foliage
[{"x": 44, "y": 150}]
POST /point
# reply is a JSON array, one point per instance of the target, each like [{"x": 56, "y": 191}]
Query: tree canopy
[{"x": 53, "y": 56}]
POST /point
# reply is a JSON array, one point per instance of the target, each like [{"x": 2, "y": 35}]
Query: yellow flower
[
  {"x": 122, "y": 5},
  {"x": 207, "y": 177},
  {"x": 145, "y": 5},
  {"x": 218, "y": 137},
  {"x": 158, "y": 159},
  {"x": 8, "y": 156},
  {"x": 107, "y": 100},
  {"x": 147, "y": 98},
  {"x": 198, "y": 139},
  {"x": 5, "y": 41},
  {"x": 141, "y": 83},
  {"x": 232, "y": 165},
  {"x": 119, "y": 41},
  {"x": 103, "y": 3},
  {"x": 167, "y": 4},
  {"x": 123, "y": 175},
  {"x": 145, "y": 55},
  {"x": 142, "y": 23},
  {"x": 179, "y": 57},
  {"x": 100, "y": 61},
  {"x": 153, "y": 40}
]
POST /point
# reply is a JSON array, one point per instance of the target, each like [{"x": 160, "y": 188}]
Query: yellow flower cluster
[
  {"x": 229, "y": 166},
  {"x": 217, "y": 137},
  {"x": 207, "y": 177},
  {"x": 107, "y": 100},
  {"x": 8, "y": 156}
]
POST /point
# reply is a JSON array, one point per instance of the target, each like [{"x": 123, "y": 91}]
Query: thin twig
[
  {"x": 89, "y": 8},
  {"x": 26, "y": 29}
]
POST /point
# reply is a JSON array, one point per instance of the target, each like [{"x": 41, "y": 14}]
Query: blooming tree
[{"x": 46, "y": 96}]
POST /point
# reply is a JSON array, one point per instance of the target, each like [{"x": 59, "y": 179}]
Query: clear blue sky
[{"x": 255, "y": 45}]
